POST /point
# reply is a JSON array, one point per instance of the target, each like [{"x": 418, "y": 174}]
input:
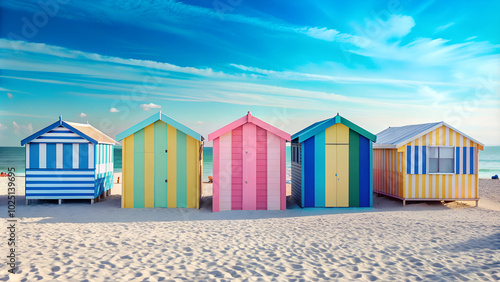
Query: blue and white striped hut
[{"x": 68, "y": 160}]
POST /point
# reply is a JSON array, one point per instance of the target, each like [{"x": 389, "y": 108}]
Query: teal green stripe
[
  {"x": 353, "y": 168},
  {"x": 319, "y": 169},
  {"x": 181, "y": 169},
  {"x": 139, "y": 169},
  {"x": 160, "y": 164}
]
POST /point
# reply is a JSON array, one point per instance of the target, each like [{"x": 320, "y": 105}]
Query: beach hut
[
  {"x": 426, "y": 162},
  {"x": 249, "y": 164},
  {"x": 162, "y": 164},
  {"x": 331, "y": 164},
  {"x": 68, "y": 160}
]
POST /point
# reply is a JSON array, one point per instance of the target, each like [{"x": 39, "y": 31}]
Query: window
[
  {"x": 295, "y": 154},
  {"x": 441, "y": 160}
]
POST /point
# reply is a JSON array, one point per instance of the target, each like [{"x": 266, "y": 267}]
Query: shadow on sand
[{"x": 109, "y": 210}]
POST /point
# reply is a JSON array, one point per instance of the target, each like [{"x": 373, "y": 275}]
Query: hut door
[{"x": 337, "y": 166}]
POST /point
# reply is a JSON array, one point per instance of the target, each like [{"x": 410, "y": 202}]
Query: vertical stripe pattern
[
  {"x": 416, "y": 181},
  {"x": 249, "y": 170},
  {"x": 161, "y": 168}
]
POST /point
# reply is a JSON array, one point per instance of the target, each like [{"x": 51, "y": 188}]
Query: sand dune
[{"x": 423, "y": 241}]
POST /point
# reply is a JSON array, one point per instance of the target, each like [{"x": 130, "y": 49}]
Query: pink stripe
[
  {"x": 249, "y": 166},
  {"x": 283, "y": 174},
  {"x": 237, "y": 168},
  {"x": 261, "y": 184},
  {"x": 215, "y": 198}
]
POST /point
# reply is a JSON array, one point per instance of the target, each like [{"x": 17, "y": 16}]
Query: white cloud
[
  {"x": 20, "y": 129},
  {"x": 83, "y": 115},
  {"x": 10, "y": 95},
  {"x": 199, "y": 122},
  {"x": 113, "y": 110},
  {"x": 149, "y": 106},
  {"x": 3, "y": 127}
]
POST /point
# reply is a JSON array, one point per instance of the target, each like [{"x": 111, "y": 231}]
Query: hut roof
[
  {"x": 154, "y": 118},
  {"x": 320, "y": 126},
  {"x": 246, "y": 119},
  {"x": 395, "y": 137},
  {"x": 86, "y": 131}
]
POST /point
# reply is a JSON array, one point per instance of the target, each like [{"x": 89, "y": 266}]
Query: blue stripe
[
  {"x": 309, "y": 172},
  {"x": 408, "y": 159},
  {"x": 60, "y": 131},
  {"x": 51, "y": 156},
  {"x": 464, "y": 161},
  {"x": 34, "y": 155},
  {"x": 364, "y": 171},
  {"x": 67, "y": 188},
  {"x": 416, "y": 159},
  {"x": 471, "y": 160},
  {"x": 59, "y": 137},
  {"x": 457, "y": 161},
  {"x": 60, "y": 182},
  {"x": 67, "y": 156},
  {"x": 83, "y": 156},
  {"x": 59, "y": 170},
  {"x": 59, "y": 194},
  {"x": 424, "y": 159},
  {"x": 59, "y": 176}
]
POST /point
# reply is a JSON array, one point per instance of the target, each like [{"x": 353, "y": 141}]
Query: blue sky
[{"x": 292, "y": 63}]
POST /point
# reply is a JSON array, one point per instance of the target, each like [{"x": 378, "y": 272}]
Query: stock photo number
[{"x": 11, "y": 221}]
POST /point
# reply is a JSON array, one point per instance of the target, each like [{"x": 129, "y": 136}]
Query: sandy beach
[{"x": 426, "y": 241}]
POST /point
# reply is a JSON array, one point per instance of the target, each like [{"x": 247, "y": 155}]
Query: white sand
[{"x": 422, "y": 241}]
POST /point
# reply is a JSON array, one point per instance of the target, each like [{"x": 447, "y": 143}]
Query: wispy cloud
[
  {"x": 3, "y": 127},
  {"x": 444, "y": 27},
  {"x": 10, "y": 95},
  {"x": 165, "y": 15},
  {"x": 114, "y": 110},
  {"x": 82, "y": 115}
]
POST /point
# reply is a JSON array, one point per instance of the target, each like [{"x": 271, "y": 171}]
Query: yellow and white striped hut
[{"x": 426, "y": 162}]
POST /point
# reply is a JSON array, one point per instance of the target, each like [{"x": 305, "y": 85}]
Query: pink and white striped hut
[{"x": 249, "y": 164}]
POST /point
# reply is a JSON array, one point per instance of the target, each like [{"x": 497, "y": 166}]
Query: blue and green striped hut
[{"x": 332, "y": 164}]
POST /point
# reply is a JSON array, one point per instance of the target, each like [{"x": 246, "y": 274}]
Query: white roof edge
[
  {"x": 402, "y": 143},
  {"x": 384, "y": 146}
]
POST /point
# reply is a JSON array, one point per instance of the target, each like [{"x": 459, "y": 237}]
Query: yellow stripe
[
  {"x": 172, "y": 166},
  {"x": 469, "y": 178},
  {"x": 191, "y": 171},
  {"x": 403, "y": 175},
  {"x": 443, "y": 186},
  {"x": 330, "y": 167},
  {"x": 424, "y": 186},
  {"x": 417, "y": 185},
  {"x": 450, "y": 187},
  {"x": 455, "y": 195},
  {"x": 410, "y": 186},
  {"x": 331, "y": 179},
  {"x": 343, "y": 175},
  {"x": 342, "y": 133},
  {"x": 128, "y": 172},
  {"x": 149, "y": 166}
]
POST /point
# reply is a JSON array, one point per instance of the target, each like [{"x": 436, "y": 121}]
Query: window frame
[{"x": 427, "y": 156}]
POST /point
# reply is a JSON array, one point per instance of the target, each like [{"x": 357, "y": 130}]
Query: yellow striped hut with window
[
  {"x": 162, "y": 164},
  {"x": 426, "y": 162}
]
